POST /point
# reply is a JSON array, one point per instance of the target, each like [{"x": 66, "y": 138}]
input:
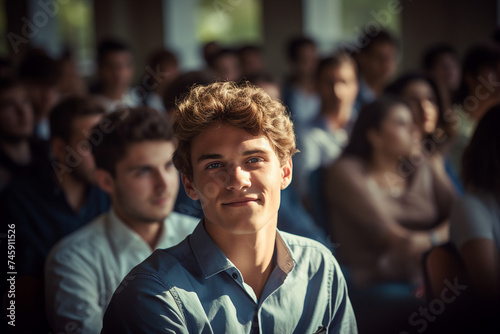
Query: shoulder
[
  {"x": 85, "y": 242},
  {"x": 306, "y": 250}
]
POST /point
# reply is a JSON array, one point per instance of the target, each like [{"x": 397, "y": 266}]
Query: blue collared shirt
[{"x": 194, "y": 288}]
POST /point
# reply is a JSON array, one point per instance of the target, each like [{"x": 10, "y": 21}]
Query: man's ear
[
  {"x": 105, "y": 181},
  {"x": 189, "y": 187},
  {"x": 286, "y": 173}
]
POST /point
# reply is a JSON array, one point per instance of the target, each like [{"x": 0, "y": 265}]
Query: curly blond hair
[{"x": 244, "y": 106}]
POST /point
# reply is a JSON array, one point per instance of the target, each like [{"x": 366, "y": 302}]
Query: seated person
[
  {"x": 475, "y": 219},
  {"x": 134, "y": 166},
  {"x": 20, "y": 153},
  {"x": 428, "y": 106},
  {"x": 41, "y": 75},
  {"x": 236, "y": 273},
  {"x": 48, "y": 205},
  {"x": 115, "y": 71},
  {"x": 323, "y": 140},
  {"x": 386, "y": 208}
]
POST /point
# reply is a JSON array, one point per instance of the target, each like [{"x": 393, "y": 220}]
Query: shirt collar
[
  {"x": 212, "y": 260},
  {"x": 124, "y": 238}
]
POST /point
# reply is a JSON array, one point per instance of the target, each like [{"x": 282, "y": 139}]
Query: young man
[
  {"x": 377, "y": 62},
  {"x": 236, "y": 273},
  {"x": 20, "y": 153},
  {"x": 51, "y": 203},
  {"x": 324, "y": 139},
  {"x": 134, "y": 166},
  {"x": 116, "y": 72}
]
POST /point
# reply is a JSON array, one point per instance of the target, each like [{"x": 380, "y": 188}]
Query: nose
[
  {"x": 237, "y": 178},
  {"x": 160, "y": 181}
]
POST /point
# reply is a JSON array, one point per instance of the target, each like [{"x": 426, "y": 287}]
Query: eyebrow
[{"x": 220, "y": 156}]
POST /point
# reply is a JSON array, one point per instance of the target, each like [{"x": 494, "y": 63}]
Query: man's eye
[
  {"x": 214, "y": 165},
  {"x": 254, "y": 160},
  {"x": 144, "y": 171}
]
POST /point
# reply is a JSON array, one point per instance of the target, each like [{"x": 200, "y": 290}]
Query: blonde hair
[{"x": 244, "y": 106}]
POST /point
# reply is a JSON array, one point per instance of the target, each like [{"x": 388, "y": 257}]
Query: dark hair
[
  {"x": 477, "y": 58},
  {"x": 62, "y": 116},
  {"x": 296, "y": 44},
  {"x": 127, "y": 127},
  {"x": 161, "y": 56},
  {"x": 433, "y": 53},
  {"x": 38, "y": 68},
  {"x": 108, "y": 46},
  {"x": 179, "y": 88},
  {"x": 382, "y": 37},
  {"x": 339, "y": 58},
  {"x": 399, "y": 85},
  {"x": 481, "y": 158},
  {"x": 370, "y": 117},
  {"x": 248, "y": 48}
]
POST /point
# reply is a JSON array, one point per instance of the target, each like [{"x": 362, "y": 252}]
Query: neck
[
  {"x": 336, "y": 119},
  {"x": 19, "y": 151},
  {"x": 148, "y": 231},
  {"x": 251, "y": 253},
  {"x": 75, "y": 191}
]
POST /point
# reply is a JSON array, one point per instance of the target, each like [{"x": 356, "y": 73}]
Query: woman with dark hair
[
  {"x": 475, "y": 220},
  {"x": 428, "y": 105},
  {"x": 386, "y": 206}
]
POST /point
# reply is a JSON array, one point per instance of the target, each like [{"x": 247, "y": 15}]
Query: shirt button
[{"x": 235, "y": 275}]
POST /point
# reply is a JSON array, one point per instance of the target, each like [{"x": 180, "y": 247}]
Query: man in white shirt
[{"x": 133, "y": 153}]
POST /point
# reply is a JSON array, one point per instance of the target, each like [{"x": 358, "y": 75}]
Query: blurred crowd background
[{"x": 395, "y": 108}]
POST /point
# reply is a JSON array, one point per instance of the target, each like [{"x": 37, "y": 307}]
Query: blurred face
[
  {"x": 252, "y": 62},
  {"x": 307, "y": 60},
  {"x": 272, "y": 89},
  {"x": 146, "y": 182},
  {"x": 228, "y": 67},
  {"x": 82, "y": 127},
  {"x": 16, "y": 114},
  {"x": 117, "y": 70},
  {"x": 447, "y": 71},
  {"x": 43, "y": 98},
  {"x": 338, "y": 88},
  {"x": 379, "y": 62},
  {"x": 238, "y": 178},
  {"x": 396, "y": 134},
  {"x": 423, "y": 104}
]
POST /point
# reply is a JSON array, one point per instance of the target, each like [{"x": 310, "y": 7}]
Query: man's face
[
  {"x": 43, "y": 98},
  {"x": 146, "y": 182},
  {"x": 117, "y": 70},
  {"x": 16, "y": 114},
  {"x": 379, "y": 62},
  {"x": 338, "y": 87},
  {"x": 238, "y": 178},
  {"x": 82, "y": 126}
]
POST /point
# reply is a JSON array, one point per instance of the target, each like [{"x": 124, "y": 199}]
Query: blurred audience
[
  {"x": 161, "y": 71},
  {"x": 7, "y": 69},
  {"x": 323, "y": 140},
  {"x": 71, "y": 83},
  {"x": 478, "y": 93},
  {"x": 475, "y": 222},
  {"x": 252, "y": 60},
  {"x": 41, "y": 76},
  {"x": 20, "y": 153},
  {"x": 134, "y": 166},
  {"x": 115, "y": 71},
  {"x": 226, "y": 65},
  {"x": 52, "y": 203},
  {"x": 209, "y": 50},
  {"x": 377, "y": 63},
  {"x": 299, "y": 91},
  {"x": 429, "y": 106},
  {"x": 267, "y": 82},
  {"x": 441, "y": 62}
]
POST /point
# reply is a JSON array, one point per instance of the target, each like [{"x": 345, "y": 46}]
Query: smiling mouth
[{"x": 241, "y": 202}]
